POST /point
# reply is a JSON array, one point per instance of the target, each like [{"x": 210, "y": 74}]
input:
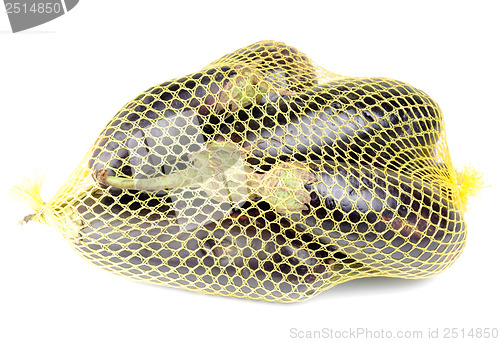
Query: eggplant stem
[
  {"x": 186, "y": 177},
  {"x": 221, "y": 172}
]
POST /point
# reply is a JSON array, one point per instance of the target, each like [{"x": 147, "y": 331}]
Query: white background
[{"x": 61, "y": 82}]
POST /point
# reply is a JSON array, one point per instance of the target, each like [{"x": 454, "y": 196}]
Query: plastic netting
[{"x": 266, "y": 176}]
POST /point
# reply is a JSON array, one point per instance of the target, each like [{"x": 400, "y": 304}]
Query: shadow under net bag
[{"x": 265, "y": 176}]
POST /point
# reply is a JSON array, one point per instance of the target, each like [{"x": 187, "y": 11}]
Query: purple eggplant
[
  {"x": 380, "y": 122},
  {"x": 403, "y": 225},
  {"x": 249, "y": 252}
]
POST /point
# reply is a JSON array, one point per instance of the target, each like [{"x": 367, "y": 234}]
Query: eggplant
[
  {"x": 370, "y": 121},
  {"x": 250, "y": 252},
  {"x": 159, "y": 128},
  {"x": 405, "y": 226}
]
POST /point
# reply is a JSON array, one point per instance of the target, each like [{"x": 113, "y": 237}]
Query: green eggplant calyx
[
  {"x": 283, "y": 187},
  {"x": 245, "y": 88},
  {"x": 223, "y": 172}
]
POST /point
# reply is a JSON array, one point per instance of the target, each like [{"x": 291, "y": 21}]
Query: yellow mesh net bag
[{"x": 266, "y": 176}]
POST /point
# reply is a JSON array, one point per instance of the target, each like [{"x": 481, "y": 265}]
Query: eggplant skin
[
  {"x": 377, "y": 121},
  {"x": 389, "y": 221},
  {"x": 249, "y": 252}
]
